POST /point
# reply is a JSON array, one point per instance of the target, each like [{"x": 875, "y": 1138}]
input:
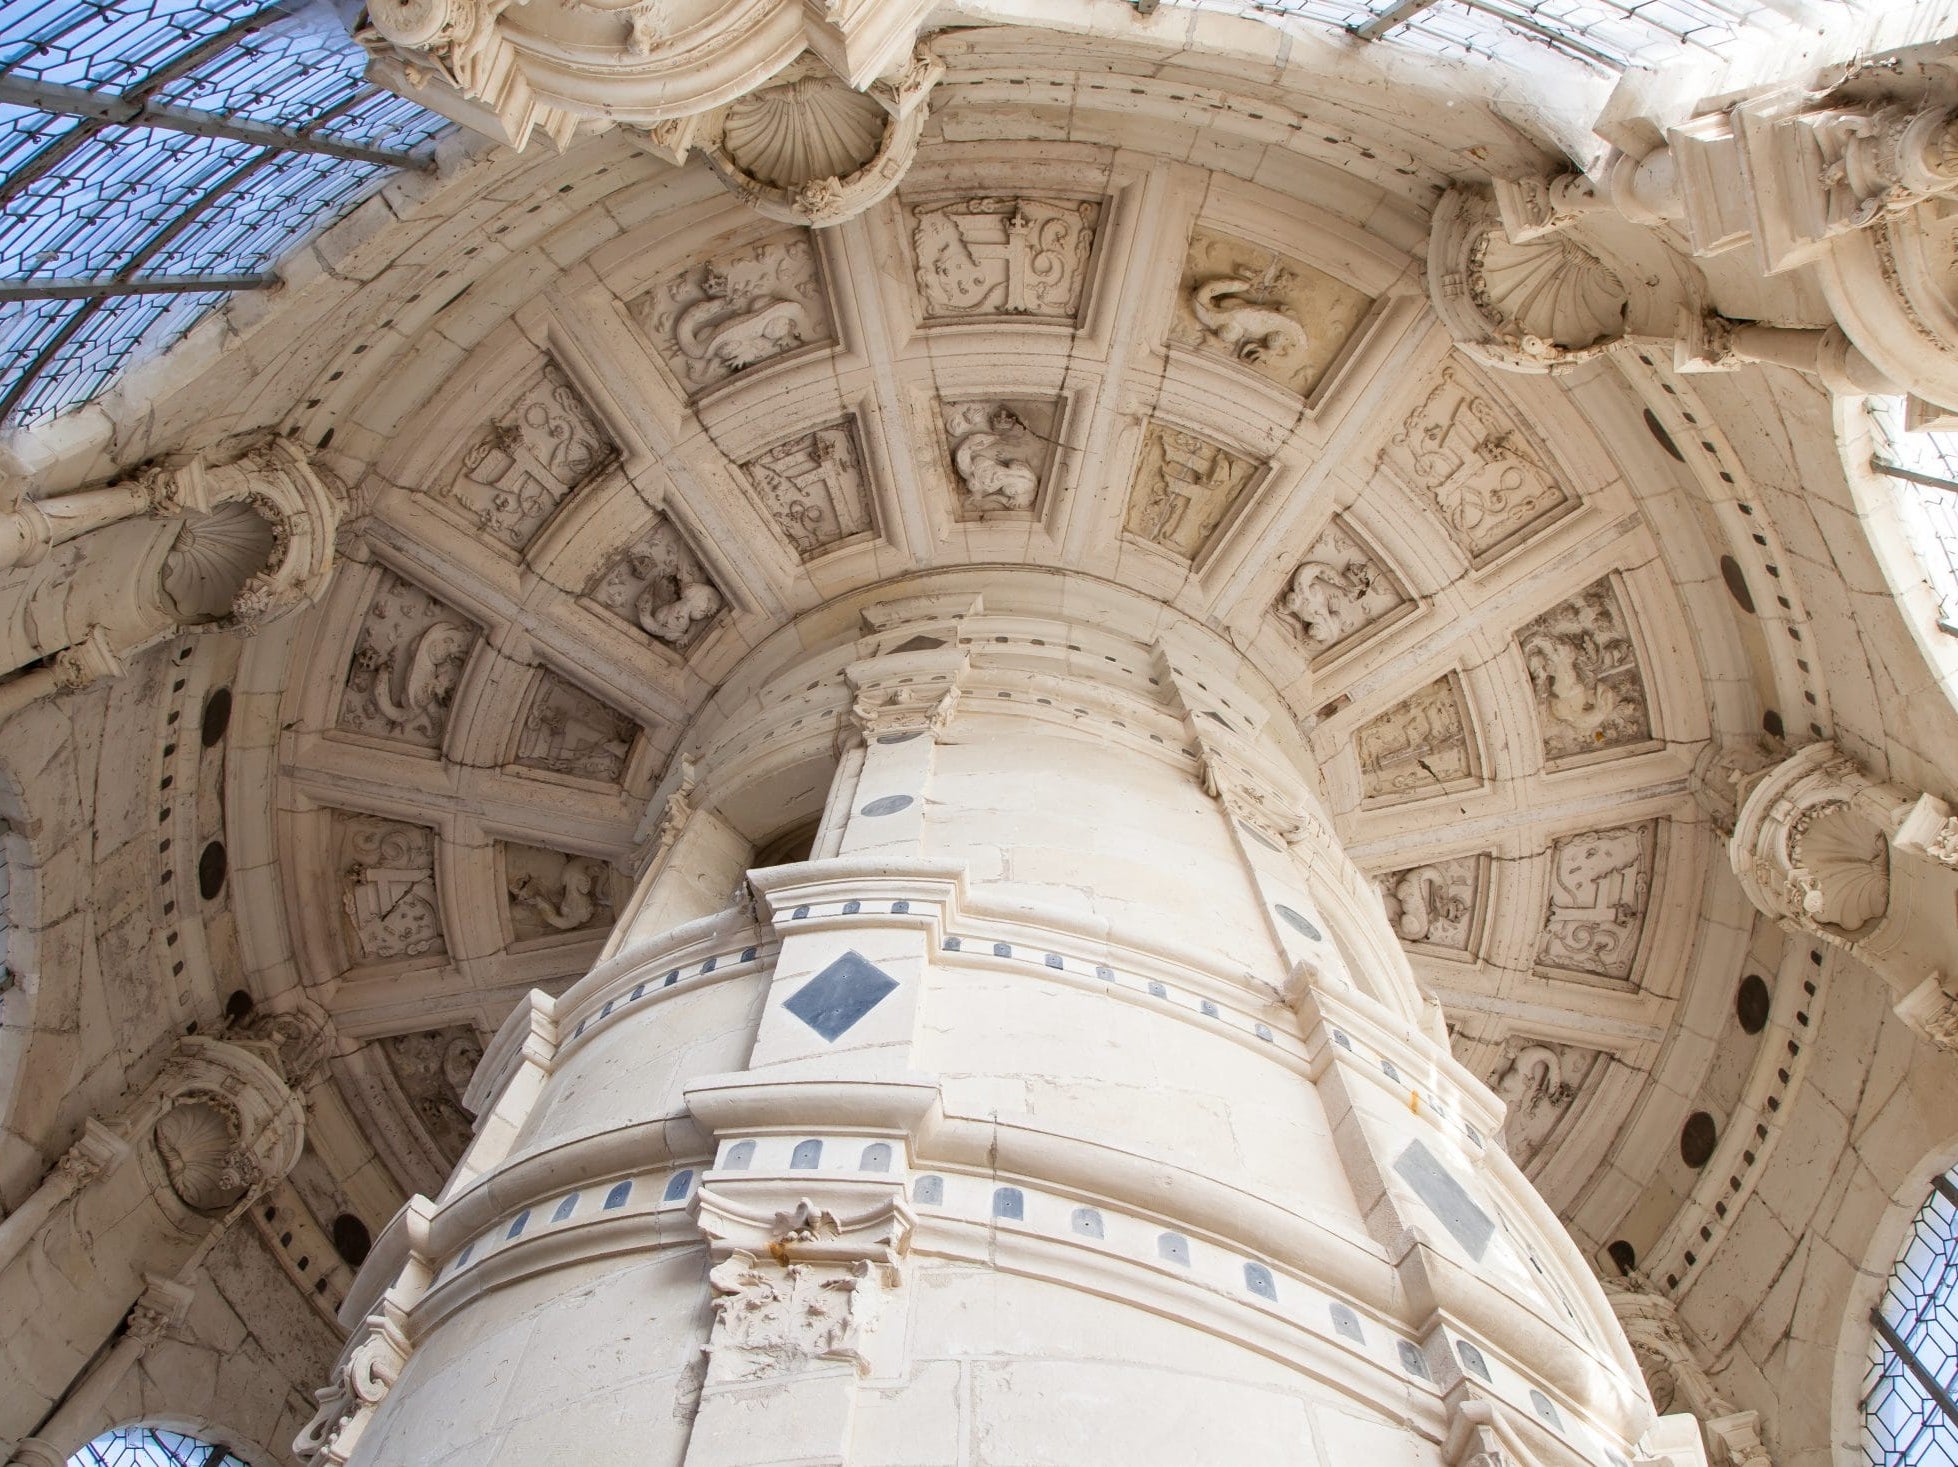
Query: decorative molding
[
  {"x": 1421, "y": 746},
  {"x": 1600, "y": 887},
  {"x": 529, "y": 458},
  {"x": 1267, "y": 312},
  {"x": 1584, "y": 671},
  {"x": 1338, "y": 591},
  {"x": 388, "y": 892}
]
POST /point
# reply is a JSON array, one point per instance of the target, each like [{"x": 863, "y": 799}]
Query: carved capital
[
  {"x": 1931, "y": 1012},
  {"x": 86, "y": 663},
  {"x": 1811, "y": 845},
  {"x": 906, "y": 692}
]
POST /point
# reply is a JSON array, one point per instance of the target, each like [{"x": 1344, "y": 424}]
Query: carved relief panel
[
  {"x": 433, "y": 1069},
  {"x": 999, "y": 452},
  {"x": 1339, "y": 590},
  {"x": 660, "y": 586},
  {"x": 1600, "y": 884},
  {"x": 1463, "y": 453},
  {"x": 1584, "y": 671},
  {"x": 1184, "y": 487},
  {"x": 550, "y": 892},
  {"x": 568, "y": 731},
  {"x": 1438, "y": 907},
  {"x": 1018, "y": 257},
  {"x": 406, "y": 663},
  {"x": 530, "y": 458},
  {"x": 1421, "y": 746},
  {"x": 741, "y": 308},
  {"x": 814, "y": 488},
  {"x": 1270, "y": 313},
  {"x": 387, "y": 888},
  {"x": 1540, "y": 1083}
]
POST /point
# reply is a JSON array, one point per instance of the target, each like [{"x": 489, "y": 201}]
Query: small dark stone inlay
[
  {"x": 617, "y": 1196},
  {"x": 747, "y": 954},
  {"x": 952, "y": 944},
  {"x": 680, "y": 1184},
  {"x": 1347, "y": 1323},
  {"x": 1054, "y": 961},
  {"x": 886, "y": 805},
  {"x": 1010, "y": 1202},
  {"x": 1299, "y": 923},
  {"x": 1472, "y": 1360},
  {"x": 850, "y": 909},
  {"x": 898, "y": 909},
  {"x": 1697, "y": 1139},
  {"x": 1087, "y": 1222},
  {"x": 904, "y": 736},
  {"x": 1412, "y": 1360},
  {"x": 565, "y": 1208},
  {"x": 798, "y": 914},
  {"x": 1104, "y": 973},
  {"x": 1752, "y": 1003},
  {"x": 928, "y": 1191},
  {"x": 1258, "y": 1279},
  {"x": 1446, "y": 1198},
  {"x": 1002, "y": 949}
]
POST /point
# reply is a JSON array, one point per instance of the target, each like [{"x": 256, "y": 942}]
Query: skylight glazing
[
  {"x": 1914, "y": 1361},
  {"x": 216, "y": 134},
  {"x": 147, "y": 1446},
  {"x": 1927, "y": 502}
]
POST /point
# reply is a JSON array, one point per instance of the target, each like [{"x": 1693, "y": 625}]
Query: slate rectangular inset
[
  {"x": 1446, "y": 1197},
  {"x": 832, "y": 1001}
]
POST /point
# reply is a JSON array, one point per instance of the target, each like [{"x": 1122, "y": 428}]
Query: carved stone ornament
[
  {"x": 1000, "y": 453},
  {"x": 406, "y": 664},
  {"x": 1538, "y": 1085},
  {"x": 225, "y": 1126},
  {"x": 1467, "y": 455},
  {"x": 551, "y": 892},
  {"x": 810, "y": 149},
  {"x": 906, "y": 692},
  {"x": 1338, "y": 591},
  {"x": 1436, "y": 905},
  {"x": 1269, "y": 313},
  {"x": 1184, "y": 487},
  {"x": 200, "y": 1142},
  {"x": 368, "y": 1368},
  {"x": 567, "y": 731},
  {"x": 433, "y": 1069},
  {"x": 660, "y": 586},
  {"x": 1421, "y": 746},
  {"x": 741, "y": 308},
  {"x": 1600, "y": 885},
  {"x": 530, "y": 458},
  {"x": 1931, "y": 1012},
  {"x": 1016, "y": 257},
  {"x": 388, "y": 895},
  {"x": 1535, "y": 305},
  {"x": 814, "y": 488},
  {"x": 1590, "y": 693},
  {"x": 1810, "y": 845}
]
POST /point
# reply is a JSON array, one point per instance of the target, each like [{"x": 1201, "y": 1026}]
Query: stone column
[
  {"x": 1830, "y": 852},
  {"x": 1074, "y": 1104},
  {"x": 133, "y": 1206}
]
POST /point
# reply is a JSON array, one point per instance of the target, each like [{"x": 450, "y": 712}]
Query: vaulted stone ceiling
[{"x": 605, "y": 431}]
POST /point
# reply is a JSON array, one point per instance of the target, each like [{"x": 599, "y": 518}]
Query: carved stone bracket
[
  {"x": 906, "y": 692},
  {"x": 1825, "y": 849}
]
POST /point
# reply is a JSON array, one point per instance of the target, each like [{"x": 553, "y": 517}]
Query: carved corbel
[
  {"x": 1828, "y": 851},
  {"x": 905, "y": 693},
  {"x": 367, "y": 1370}
]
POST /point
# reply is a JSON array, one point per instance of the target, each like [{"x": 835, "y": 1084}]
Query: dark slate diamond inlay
[
  {"x": 1447, "y": 1198},
  {"x": 841, "y": 994}
]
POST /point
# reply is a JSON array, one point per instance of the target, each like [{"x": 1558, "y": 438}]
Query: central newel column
[{"x": 1072, "y": 1104}]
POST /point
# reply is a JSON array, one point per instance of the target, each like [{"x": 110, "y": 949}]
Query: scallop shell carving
[
  {"x": 1842, "y": 865},
  {"x": 199, "y": 1146},
  {"x": 212, "y": 559},
  {"x": 1552, "y": 291},
  {"x": 790, "y": 135}
]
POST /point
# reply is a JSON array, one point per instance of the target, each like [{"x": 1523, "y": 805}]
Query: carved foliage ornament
[
  {"x": 1469, "y": 458},
  {"x": 742, "y": 308},
  {"x": 1024, "y": 257}
]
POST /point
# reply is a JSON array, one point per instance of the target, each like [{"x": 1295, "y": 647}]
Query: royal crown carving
[
  {"x": 1016, "y": 257},
  {"x": 740, "y": 309},
  {"x": 1000, "y": 453},
  {"x": 814, "y": 488}
]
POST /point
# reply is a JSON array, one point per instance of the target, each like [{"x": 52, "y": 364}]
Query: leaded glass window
[
  {"x": 1923, "y": 466},
  {"x": 1907, "y": 1403},
  {"x": 149, "y": 1446}
]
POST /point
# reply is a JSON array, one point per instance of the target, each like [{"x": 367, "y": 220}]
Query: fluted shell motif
[
  {"x": 803, "y": 131},
  {"x": 213, "y": 557},
  {"x": 1552, "y": 290},
  {"x": 199, "y": 1145},
  {"x": 1847, "y": 864}
]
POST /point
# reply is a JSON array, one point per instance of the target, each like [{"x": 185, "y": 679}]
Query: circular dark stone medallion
[
  {"x": 886, "y": 805},
  {"x": 1299, "y": 922}
]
